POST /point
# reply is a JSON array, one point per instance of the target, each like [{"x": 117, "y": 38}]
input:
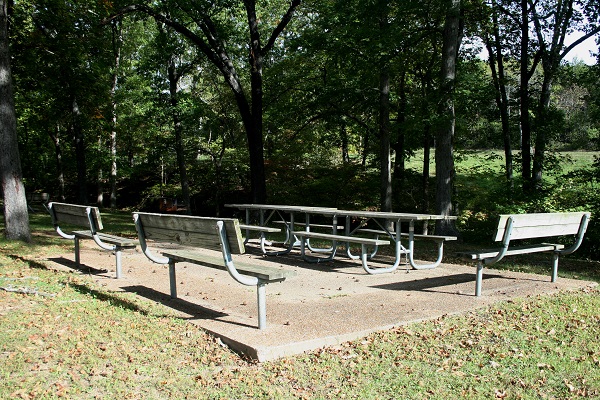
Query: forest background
[{"x": 309, "y": 102}]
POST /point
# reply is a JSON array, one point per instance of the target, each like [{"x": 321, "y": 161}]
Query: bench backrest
[
  {"x": 63, "y": 213},
  {"x": 189, "y": 231},
  {"x": 528, "y": 226}
]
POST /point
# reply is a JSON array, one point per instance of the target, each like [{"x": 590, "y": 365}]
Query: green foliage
[{"x": 482, "y": 196}]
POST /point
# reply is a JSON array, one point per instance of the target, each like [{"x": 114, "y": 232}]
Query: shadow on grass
[{"x": 82, "y": 267}]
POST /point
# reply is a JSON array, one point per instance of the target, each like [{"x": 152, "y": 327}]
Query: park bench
[
  {"x": 531, "y": 226},
  {"x": 64, "y": 214},
  {"x": 186, "y": 233}
]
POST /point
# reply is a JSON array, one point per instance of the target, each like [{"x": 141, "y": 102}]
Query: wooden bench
[
  {"x": 88, "y": 217},
  {"x": 220, "y": 234},
  {"x": 531, "y": 226},
  {"x": 304, "y": 236}
]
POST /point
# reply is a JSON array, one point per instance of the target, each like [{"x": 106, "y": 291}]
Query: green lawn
[{"x": 75, "y": 340}]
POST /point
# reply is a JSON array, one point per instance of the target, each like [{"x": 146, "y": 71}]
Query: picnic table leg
[
  {"x": 307, "y": 228},
  {"x": 349, "y": 250},
  {"x": 411, "y": 250},
  {"x": 316, "y": 260},
  {"x": 373, "y": 271},
  {"x": 291, "y": 242}
]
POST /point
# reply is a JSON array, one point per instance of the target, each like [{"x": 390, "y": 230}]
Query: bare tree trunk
[
  {"x": 179, "y": 148},
  {"x": 384, "y": 134},
  {"x": 60, "y": 175},
  {"x": 117, "y": 40},
  {"x": 524, "y": 97},
  {"x": 16, "y": 217},
  {"x": 78, "y": 136},
  {"x": 100, "y": 179},
  {"x": 344, "y": 140},
  {"x": 444, "y": 156},
  {"x": 496, "y": 62}
]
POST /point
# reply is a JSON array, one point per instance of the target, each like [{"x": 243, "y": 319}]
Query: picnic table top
[{"x": 334, "y": 211}]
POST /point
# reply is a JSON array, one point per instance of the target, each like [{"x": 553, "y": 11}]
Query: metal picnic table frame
[
  {"x": 278, "y": 210},
  {"x": 380, "y": 218}
]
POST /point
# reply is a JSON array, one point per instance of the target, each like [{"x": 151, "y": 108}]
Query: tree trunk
[
  {"x": 344, "y": 140},
  {"x": 384, "y": 137},
  {"x": 524, "y": 97},
  {"x": 117, "y": 40},
  {"x": 78, "y": 136},
  {"x": 444, "y": 157},
  {"x": 16, "y": 217},
  {"x": 255, "y": 134},
  {"x": 178, "y": 128},
  {"x": 100, "y": 182},
  {"x": 499, "y": 78},
  {"x": 60, "y": 175},
  {"x": 540, "y": 138}
]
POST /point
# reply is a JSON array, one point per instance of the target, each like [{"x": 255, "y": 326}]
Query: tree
[
  {"x": 210, "y": 40},
  {"x": 444, "y": 157},
  {"x": 553, "y": 21},
  {"x": 16, "y": 218}
]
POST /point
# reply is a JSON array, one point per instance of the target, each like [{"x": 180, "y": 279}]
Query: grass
[{"x": 76, "y": 340}]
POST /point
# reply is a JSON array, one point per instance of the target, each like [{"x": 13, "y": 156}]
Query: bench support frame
[{"x": 504, "y": 250}]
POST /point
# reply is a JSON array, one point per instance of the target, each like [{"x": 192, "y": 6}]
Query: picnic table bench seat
[
  {"x": 304, "y": 236},
  {"x": 531, "y": 226},
  {"x": 64, "y": 214},
  {"x": 188, "y": 233},
  {"x": 434, "y": 238}
]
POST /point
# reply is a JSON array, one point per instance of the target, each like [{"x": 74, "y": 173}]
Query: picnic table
[
  {"x": 382, "y": 220},
  {"x": 273, "y": 213}
]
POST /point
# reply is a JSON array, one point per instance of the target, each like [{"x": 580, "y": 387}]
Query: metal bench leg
[
  {"x": 118, "y": 257},
  {"x": 77, "y": 257},
  {"x": 479, "y": 278},
  {"x": 261, "y": 294},
  {"x": 554, "y": 267},
  {"x": 172, "y": 279}
]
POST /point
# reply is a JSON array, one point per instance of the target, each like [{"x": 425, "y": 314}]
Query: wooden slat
[
  {"x": 192, "y": 231},
  {"x": 111, "y": 239},
  {"x": 264, "y": 273},
  {"x": 431, "y": 237},
  {"x": 258, "y": 228},
  {"x": 527, "y": 226},
  {"x": 417, "y": 236},
  {"x": 326, "y": 226},
  {"x": 75, "y": 214},
  {"x": 340, "y": 238}
]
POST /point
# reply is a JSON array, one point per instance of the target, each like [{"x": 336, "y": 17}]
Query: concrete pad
[{"x": 324, "y": 305}]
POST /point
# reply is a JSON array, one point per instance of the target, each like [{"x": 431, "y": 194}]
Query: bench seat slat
[
  {"x": 326, "y": 226},
  {"x": 536, "y": 248},
  {"x": 340, "y": 238},
  {"x": 121, "y": 241},
  {"x": 259, "y": 228},
  {"x": 264, "y": 273},
  {"x": 404, "y": 234}
]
